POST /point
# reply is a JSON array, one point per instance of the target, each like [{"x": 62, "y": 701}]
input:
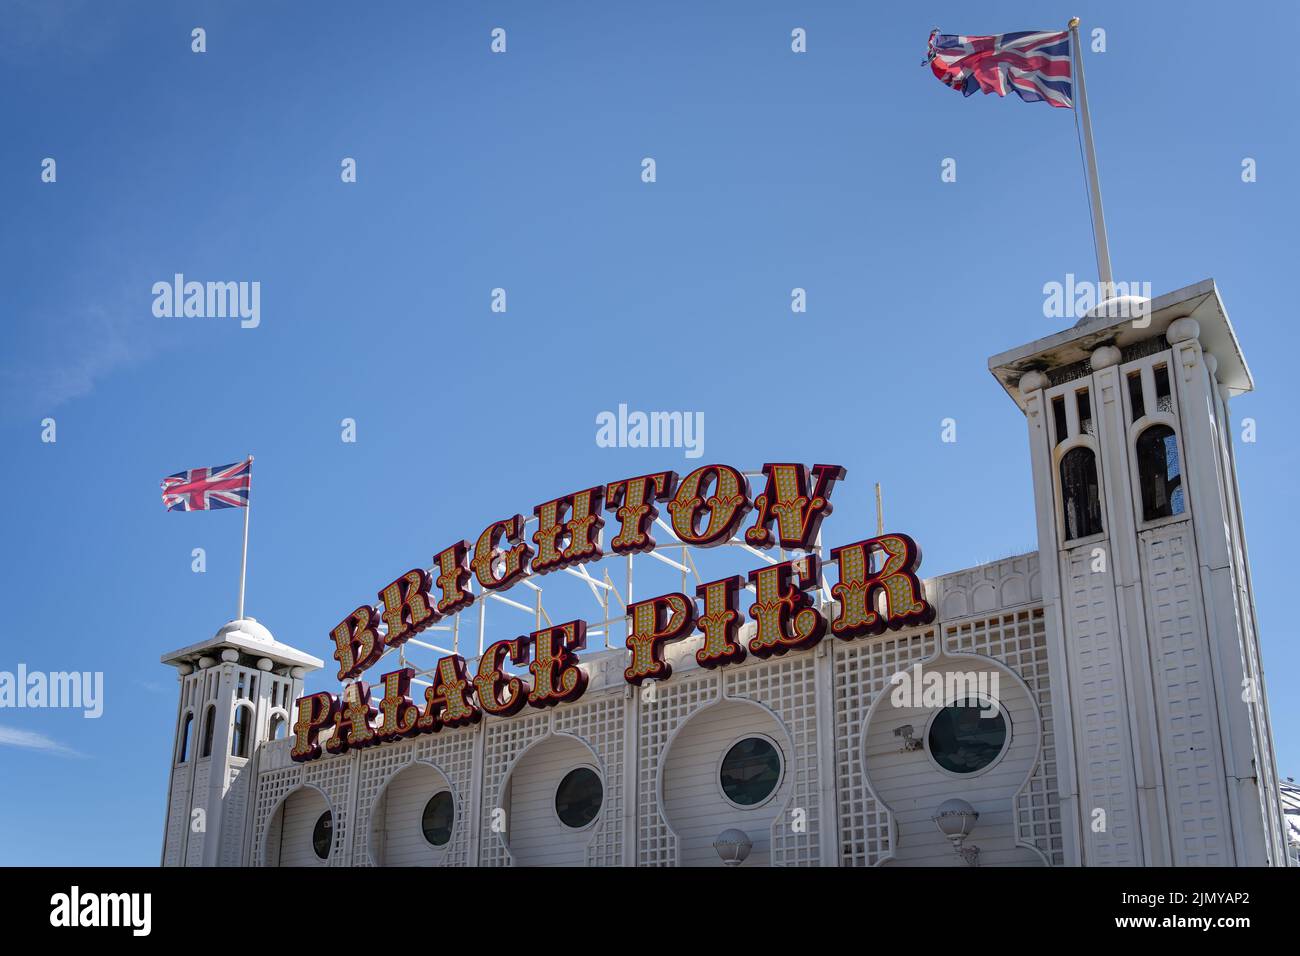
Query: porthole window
[
  {"x": 438, "y": 817},
  {"x": 578, "y": 798},
  {"x": 322, "y": 835},
  {"x": 967, "y": 738},
  {"x": 750, "y": 771}
]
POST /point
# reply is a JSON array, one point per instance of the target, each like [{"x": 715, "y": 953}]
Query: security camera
[{"x": 910, "y": 744}]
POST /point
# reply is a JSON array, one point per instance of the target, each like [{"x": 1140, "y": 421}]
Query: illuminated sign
[{"x": 877, "y": 589}]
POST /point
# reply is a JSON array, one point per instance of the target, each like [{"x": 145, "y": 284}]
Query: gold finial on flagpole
[{"x": 1073, "y": 24}]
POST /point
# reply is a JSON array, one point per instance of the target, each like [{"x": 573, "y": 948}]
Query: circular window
[
  {"x": 438, "y": 817},
  {"x": 966, "y": 738},
  {"x": 322, "y": 835},
  {"x": 750, "y": 771},
  {"x": 578, "y": 798}
]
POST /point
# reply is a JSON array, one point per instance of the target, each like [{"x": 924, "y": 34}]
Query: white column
[
  {"x": 1125, "y": 567},
  {"x": 1211, "y": 521},
  {"x": 1040, "y": 455}
]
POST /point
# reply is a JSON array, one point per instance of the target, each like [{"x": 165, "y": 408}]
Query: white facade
[{"x": 1127, "y": 664}]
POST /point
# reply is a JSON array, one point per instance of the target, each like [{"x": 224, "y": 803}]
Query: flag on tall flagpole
[
  {"x": 208, "y": 489},
  {"x": 1032, "y": 64},
  {"x": 1038, "y": 66}
]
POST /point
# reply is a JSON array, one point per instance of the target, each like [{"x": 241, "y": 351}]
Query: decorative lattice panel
[
  {"x": 862, "y": 671},
  {"x": 600, "y": 725},
  {"x": 675, "y": 700},
  {"x": 506, "y": 740},
  {"x": 788, "y": 686},
  {"x": 334, "y": 778},
  {"x": 451, "y": 752},
  {"x": 272, "y": 787},
  {"x": 1019, "y": 641}
]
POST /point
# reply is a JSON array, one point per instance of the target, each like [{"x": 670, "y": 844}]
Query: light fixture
[
  {"x": 733, "y": 846},
  {"x": 955, "y": 819}
]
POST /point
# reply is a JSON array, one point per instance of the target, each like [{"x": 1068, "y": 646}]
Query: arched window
[
  {"x": 209, "y": 720},
  {"x": 1080, "y": 494},
  {"x": 183, "y": 751},
  {"x": 277, "y": 726},
  {"x": 1160, "y": 474},
  {"x": 239, "y": 741}
]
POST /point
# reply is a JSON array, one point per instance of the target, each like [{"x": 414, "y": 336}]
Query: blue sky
[{"x": 522, "y": 171}]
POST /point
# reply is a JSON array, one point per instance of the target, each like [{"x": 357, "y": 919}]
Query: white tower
[
  {"x": 237, "y": 691},
  {"x": 1165, "y": 745}
]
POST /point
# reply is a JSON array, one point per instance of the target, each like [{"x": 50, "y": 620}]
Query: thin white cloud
[
  {"x": 30, "y": 740},
  {"x": 79, "y": 351}
]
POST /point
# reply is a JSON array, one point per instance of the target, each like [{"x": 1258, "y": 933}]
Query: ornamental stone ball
[
  {"x": 1183, "y": 330},
  {"x": 1032, "y": 382},
  {"x": 1105, "y": 356}
]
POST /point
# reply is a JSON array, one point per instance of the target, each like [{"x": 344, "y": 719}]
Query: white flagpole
[
  {"x": 1094, "y": 185},
  {"x": 243, "y": 563}
]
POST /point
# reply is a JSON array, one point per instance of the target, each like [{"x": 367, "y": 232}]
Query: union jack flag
[
  {"x": 205, "y": 489},
  {"x": 1035, "y": 66}
]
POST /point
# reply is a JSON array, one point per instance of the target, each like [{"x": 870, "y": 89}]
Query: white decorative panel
[
  {"x": 506, "y": 740},
  {"x": 675, "y": 700},
  {"x": 178, "y": 808},
  {"x": 334, "y": 778},
  {"x": 862, "y": 670},
  {"x": 1189, "y": 747},
  {"x": 232, "y": 819},
  {"x": 599, "y": 724},
  {"x": 1019, "y": 641},
  {"x": 199, "y": 796},
  {"x": 786, "y": 685},
  {"x": 1008, "y": 583},
  {"x": 451, "y": 752},
  {"x": 272, "y": 787},
  {"x": 1104, "y": 748}
]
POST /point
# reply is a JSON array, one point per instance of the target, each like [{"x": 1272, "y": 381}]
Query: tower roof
[
  {"x": 1200, "y": 302},
  {"x": 250, "y": 637}
]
